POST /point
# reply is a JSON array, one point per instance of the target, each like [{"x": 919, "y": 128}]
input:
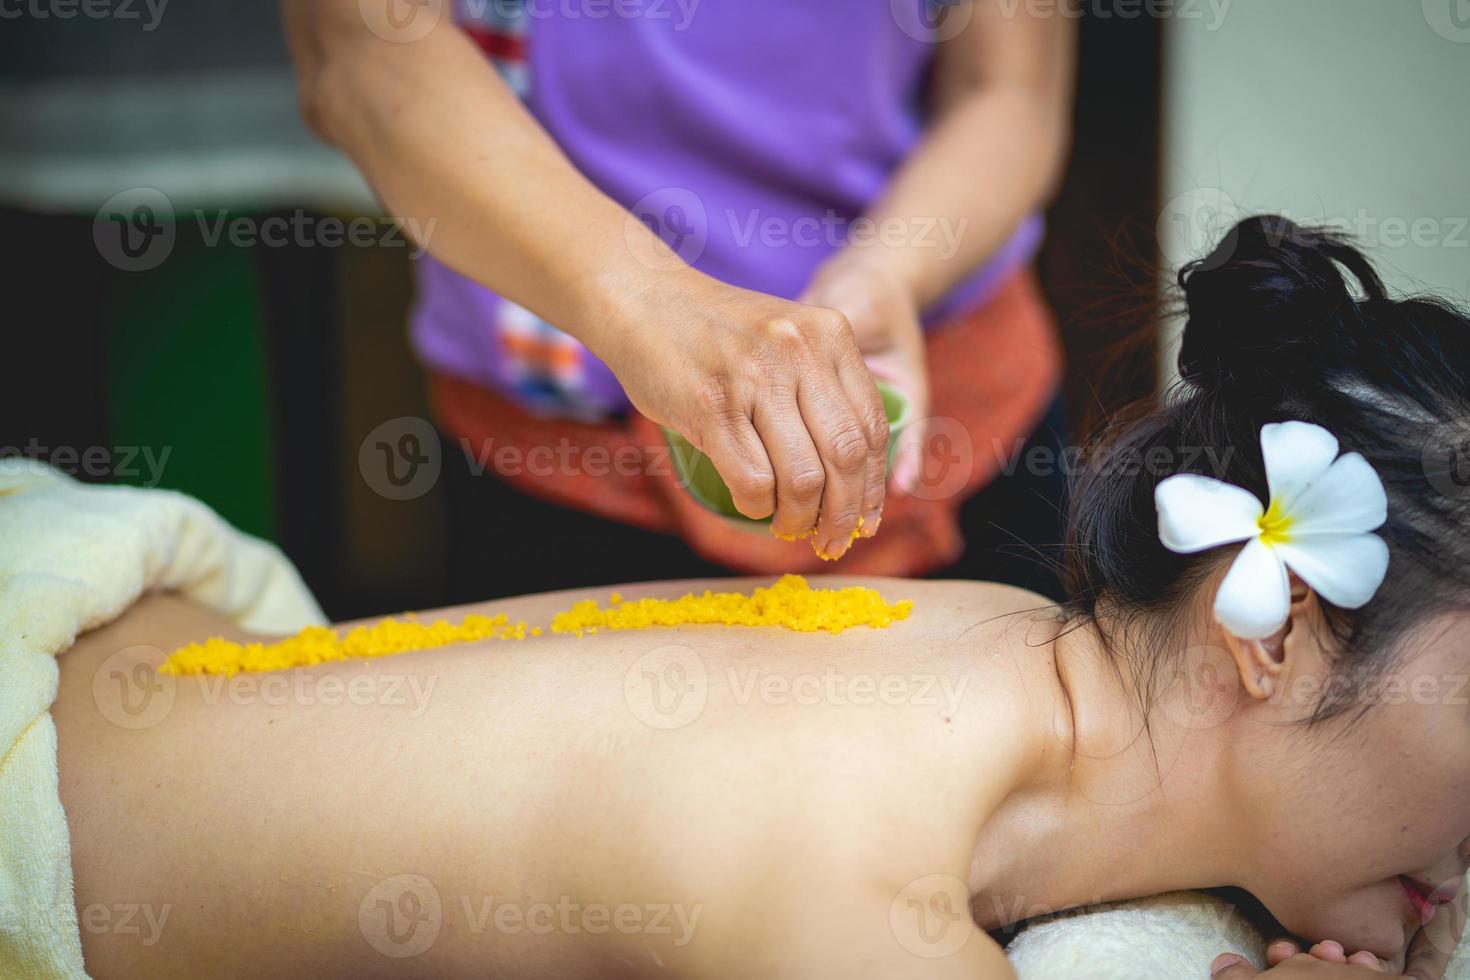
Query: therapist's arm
[
  {"x": 993, "y": 153},
  {"x": 775, "y": 392}
]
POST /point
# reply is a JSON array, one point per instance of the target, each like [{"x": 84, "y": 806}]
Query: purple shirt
[{"x": 751, "y": 135}]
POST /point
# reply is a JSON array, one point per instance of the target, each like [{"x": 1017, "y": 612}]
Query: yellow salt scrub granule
[
  {"x": 857, "y": 532},
  {"x": 321, "y": 644},
  {"x": 790, "y": 602}
]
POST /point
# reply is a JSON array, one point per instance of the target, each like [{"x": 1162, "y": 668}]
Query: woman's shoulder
[{"x": 963, "y": 595}]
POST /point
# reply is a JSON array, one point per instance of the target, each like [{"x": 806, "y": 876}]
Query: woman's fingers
[
  {"x": 737, "y": 451},
  {"x": 846, "y": 456},
  {"x": 1324, "y": 960},
  {"x": 1365, "y": 958},
  {"x": 1327, "y": 951},
  {"x": 1281, "y": 950},
  {"x": 1330, "y": 951},
  {"x": 1231, "y": 966},
  {"x": 867, "y": 405},
  {"x": 800, "y": 475}
]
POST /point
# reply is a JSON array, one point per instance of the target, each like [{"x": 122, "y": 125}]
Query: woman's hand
[
  {"x": 885, "y": 323},
  {"x": 1426, "y": 958},
  {"x": 775, "y": 393},
  {"x": 1301, "y": 966},
  {"x": 1329, "y": 951}
]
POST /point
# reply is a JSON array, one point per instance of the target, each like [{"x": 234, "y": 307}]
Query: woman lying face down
[
  {"x": 1348, "y": 756},
  {"x": 1260, "y": 684}
]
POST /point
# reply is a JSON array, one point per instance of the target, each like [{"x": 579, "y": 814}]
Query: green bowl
[{"x": 698, "y": 476}]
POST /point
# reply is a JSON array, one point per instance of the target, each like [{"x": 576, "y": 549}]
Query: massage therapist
[{"x": 726, "y": 217}]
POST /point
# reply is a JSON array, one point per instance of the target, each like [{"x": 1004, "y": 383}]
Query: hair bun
[{"x": 1270, "y": 303}]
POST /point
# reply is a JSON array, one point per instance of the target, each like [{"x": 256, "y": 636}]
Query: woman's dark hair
[{"x": 1286, "y": 322}]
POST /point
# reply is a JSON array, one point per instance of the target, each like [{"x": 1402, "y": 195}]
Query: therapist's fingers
[
  {"x": 800, "y": 476},
  {"x": 738, "y": 454},
  {"x": 867, "y": 404},
  {"x": 842, "y": 443}
]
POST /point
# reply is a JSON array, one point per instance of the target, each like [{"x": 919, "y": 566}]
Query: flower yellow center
[{"x": 1275, "y": 525}]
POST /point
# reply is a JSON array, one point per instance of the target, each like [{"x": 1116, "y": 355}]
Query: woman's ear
[{"x": 1260, "y": 662}]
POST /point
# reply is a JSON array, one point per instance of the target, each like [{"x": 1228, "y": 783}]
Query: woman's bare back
[{"x": 698, "y": 799}]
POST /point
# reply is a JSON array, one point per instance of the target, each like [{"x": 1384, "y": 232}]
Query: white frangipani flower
[{"x": 1318, "y": 524}]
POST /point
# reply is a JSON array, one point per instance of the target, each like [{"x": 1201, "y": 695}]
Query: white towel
[
  {"x": 73, "y": 557},
  {"x": 1169, "y": 937},
  {"x": 1172, "y": 937}
]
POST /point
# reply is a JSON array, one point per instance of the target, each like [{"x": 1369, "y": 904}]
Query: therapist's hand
[
  {"x": 885, "y": 321},
  {"x": 775, "y": 393}
]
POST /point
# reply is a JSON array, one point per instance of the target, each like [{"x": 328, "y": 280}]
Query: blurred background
[{"x": 248, "y": 366}]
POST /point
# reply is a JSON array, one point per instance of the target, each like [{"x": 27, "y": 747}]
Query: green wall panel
[{"x": 186, "y": 376}]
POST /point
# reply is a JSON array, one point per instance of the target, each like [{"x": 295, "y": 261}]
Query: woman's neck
[{"x": 1117, "y": 810}]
